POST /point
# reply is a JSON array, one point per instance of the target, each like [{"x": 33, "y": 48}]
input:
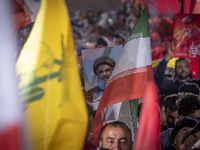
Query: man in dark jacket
[{"x": 182, "y": 72}]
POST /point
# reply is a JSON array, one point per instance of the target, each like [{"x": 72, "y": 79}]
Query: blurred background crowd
[{"x": 88, "y": 26}]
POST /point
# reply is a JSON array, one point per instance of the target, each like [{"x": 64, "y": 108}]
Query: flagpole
[{"x": 134, "y": 113}]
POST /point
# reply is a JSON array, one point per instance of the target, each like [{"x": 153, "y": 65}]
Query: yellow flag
[{"x": 50, "y": 82}]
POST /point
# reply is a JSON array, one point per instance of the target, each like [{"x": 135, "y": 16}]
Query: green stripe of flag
[{"x": 140, "y": 29}]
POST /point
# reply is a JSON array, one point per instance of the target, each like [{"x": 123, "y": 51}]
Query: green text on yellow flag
[{"x": 50, "y": 82}]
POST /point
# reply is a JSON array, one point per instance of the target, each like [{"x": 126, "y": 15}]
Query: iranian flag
[{"x": 129, "y": 77}]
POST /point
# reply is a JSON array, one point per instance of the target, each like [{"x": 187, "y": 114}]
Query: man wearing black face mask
[{"x": 102, "y": 67}]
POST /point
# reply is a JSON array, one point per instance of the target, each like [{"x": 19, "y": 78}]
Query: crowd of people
[
  {"x": 179, "y": 105},
  {"x": 88, "y": 27},
  {"x": 179, "y": 96}
]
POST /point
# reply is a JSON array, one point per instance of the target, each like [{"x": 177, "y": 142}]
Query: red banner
[{"x": 187, "y": 36}]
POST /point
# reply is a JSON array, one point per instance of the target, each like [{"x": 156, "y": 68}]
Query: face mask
[{"x": 101, "y": 85}]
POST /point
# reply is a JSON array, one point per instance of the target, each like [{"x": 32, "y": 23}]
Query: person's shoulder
[
  {"x": 166, "y": 139},
  {"x": 196, "y": 80},
  {"x": 166, "y": 132}
]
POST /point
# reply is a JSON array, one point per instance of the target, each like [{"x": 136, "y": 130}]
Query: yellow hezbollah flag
[{"x": 50, "y": 82}]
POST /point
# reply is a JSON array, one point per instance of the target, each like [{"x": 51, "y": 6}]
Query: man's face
[
  {"x": 192, "y": 139},
  {"x": 171, "y": 117},
  {"x": 116, "y": 138},
  {"x": 189, "y": 142},
  {"x": 163, "y": 120},
  {"x": 178, "y": 138},
  {"x": 103, "y": 72},
  {"x": 182, "y": 70}
]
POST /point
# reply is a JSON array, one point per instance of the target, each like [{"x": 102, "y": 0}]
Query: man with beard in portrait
[{"x": 102, "y": 67}]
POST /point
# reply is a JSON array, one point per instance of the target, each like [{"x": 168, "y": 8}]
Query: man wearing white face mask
[{"x": 102, "y": 67}]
